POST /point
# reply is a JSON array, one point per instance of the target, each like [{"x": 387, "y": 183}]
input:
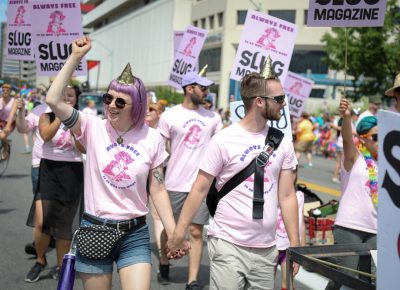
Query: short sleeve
[
  {"x": 212, "y": 161},
  {"x": 160, "y": 153},
  {"x": 163, "y": 126},
  {"x": 32, "y": 121},
  {"x": 290, "y": 160},
  {"x": 84, "y": 119},
  {"x": 219, "y": 125}
]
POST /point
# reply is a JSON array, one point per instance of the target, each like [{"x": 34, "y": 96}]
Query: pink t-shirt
[
  {"x": 189, "y": 132},
  {"x": 116, "y": 174},
  {"x": 356, "y": 210},
  {"x": 229, "y": 152},
  {"x": 5, "y": 110},
  {"x": 282, "y": 239},
  {"x": 32, "y": 121},
  {"x": 90, "y": 111},
  {"x": 61, "y": 147}
]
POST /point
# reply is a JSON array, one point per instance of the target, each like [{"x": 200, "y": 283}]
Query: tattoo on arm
[{"x": 159, "y": 175}]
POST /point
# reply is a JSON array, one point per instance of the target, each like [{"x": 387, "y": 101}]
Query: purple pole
[{"x": 67, "y": 275}]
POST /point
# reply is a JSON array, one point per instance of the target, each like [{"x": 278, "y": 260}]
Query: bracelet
[{"x": 71, "y": 121}]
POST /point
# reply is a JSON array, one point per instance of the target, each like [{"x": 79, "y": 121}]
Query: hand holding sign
[
  {"x": 345, "y": 108},
  {"x": 81, "y": 46}
]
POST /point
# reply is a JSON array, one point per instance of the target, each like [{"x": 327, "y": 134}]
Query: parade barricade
[{"x": 314, "y": 258}]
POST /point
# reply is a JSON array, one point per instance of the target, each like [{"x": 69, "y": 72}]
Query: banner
[
  {"x": 19, "y": 42},
  {"x": 187, "y": 55},
  {"x": 264, "y": 35},
  {"x": 57, "y": 24},
  {"x": 237, "y": 113},
  {"x": 297, "y": 89},
  {"x": 389, "y": 200},
  {"x": 346, "y": 13},
  {"x": 178, "y": 35}
]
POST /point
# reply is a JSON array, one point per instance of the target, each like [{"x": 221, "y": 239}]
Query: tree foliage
[
  {"x": 168, "y": 94},
  {"x": 373, "y": 57}
]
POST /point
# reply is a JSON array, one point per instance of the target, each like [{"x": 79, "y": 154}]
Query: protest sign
[
  {"x": 187, "y": 55},
  {"x": 297, "y": 89},
  {"x": 264, "y": 35},
  {"x": 57, "y": 24},
  {"x": 346, "y": 13},
  {"x": 237, "y": 113},
  {"x": 177, "y": 40},
  {"x": 19, "y": 38},
  {"x": 389, "y": 200}
]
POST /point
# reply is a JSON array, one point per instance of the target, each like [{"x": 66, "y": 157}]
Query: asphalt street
[{"x": 16, "y": 198}]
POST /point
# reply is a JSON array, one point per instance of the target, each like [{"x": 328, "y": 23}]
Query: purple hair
[{"x": 137, "y": 92}]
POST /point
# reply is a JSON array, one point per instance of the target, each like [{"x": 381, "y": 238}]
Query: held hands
[
  {"x": 177, "y": 249},
  {"x": 81, "y": 46},
  {"x": 345, "y": 108}
]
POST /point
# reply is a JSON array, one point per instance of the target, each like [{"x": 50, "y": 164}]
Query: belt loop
[
  {"x": 118, "y": 226},
  {"x": 129, "y": 225},
  {"x": 105, "y": 222}
]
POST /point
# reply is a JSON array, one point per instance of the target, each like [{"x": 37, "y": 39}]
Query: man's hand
[
  {"x": 81, "y": 46},
  {"x": 344, "y": 108},
  {"x": 296, "y": 268},
  {"x": 177, "y": 248}
]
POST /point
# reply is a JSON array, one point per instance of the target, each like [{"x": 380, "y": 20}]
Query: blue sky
[{"x": 3, "y": 7}]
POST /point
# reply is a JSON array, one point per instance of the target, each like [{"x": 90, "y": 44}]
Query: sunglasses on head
[
  {"x": 120, "y": 103},
  {"x": 277, "y": 99}
]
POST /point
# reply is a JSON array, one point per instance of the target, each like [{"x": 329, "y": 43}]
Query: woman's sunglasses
[
  {"x": 120, "y": 103},
  {"x": 277, "y": 99},
  {"x": 373, "y": 136}
]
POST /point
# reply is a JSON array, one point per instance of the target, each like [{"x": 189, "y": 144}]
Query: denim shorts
[{"x": 133, "y": 248}]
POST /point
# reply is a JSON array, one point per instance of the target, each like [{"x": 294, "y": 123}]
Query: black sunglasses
[
  {"x": 202, "y": 88},
  {"x": 374, "y": 137},
  {"x": 120, "y": 103},
  {"x": 277, "y": 99}
]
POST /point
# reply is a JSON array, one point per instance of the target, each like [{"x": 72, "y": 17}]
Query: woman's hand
[
  {"x": 81, "y": 46},
  {"x": 345, "y": 108}
]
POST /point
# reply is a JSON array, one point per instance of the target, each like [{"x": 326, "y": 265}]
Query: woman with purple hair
[{"x": 121, "y": 153}]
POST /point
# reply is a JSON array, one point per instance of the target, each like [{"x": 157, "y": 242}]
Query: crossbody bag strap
[{"x": 274, "y": 138}]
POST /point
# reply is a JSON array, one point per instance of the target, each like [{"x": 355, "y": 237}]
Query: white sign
[
  {"x": 237, "y": 113},
  {"x": 389, "y": 200},
  {"x": 297, "y": 89}
]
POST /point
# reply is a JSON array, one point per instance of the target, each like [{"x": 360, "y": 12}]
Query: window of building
[
  {"x": 305, "y": 16},
  {"x": 211, "y": 21},
  {"x": 220, "y": 19},
  {"x": 195, "y": 23},
  {"x": 203, "y": 23},
  {"x": 303, "y": 60},
  {"x": 317, "y": 93},
  {"x": 241, "y": 16},
  {"x": 288, "y": 15},
  {"x": 212, "y": 57}
]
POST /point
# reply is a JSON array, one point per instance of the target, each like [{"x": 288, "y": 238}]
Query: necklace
[
  {"x": 373, "y": 181},
  {"x": 120, "y": 140}
]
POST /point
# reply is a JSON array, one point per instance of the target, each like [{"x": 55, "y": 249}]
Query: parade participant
[
  {"x": 242, "y": 249},
  {"x": 395, "y": 93},
  {"x": 6, "y": 125},
  {"x": 122, "y": 152},
  {"x": 282, "y": 241},
  {"x": 304, "y": 138},
  {"x": 90, "y": 108},
  {"x": 60, "y": 187},
  {"x": 374, "y": 104},
  {"x": 356, "y": 219},
  {"x": 188, "y": 128}
]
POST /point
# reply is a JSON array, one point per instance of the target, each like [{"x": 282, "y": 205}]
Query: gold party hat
[
  {"x": 126, "y": 77},
  {"x": 203, "y": 71},
  {"x": 266, "y": 70}
]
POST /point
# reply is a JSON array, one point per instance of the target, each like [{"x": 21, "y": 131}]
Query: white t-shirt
[
  {"x": 90, "y": 111},
  {"x": 228, "y": 153},
  {"x": 116, "y": 174},
  {"x": 189, "y": 132}
]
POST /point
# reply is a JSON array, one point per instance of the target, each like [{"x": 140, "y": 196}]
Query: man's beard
[
  {"x": 270, "y": 114},
  {"x": 196, "y": 100}
]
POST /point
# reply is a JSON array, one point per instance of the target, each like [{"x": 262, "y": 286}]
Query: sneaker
[
  {"x": 56, "y": 273},
  {"x": 192, "y": 286},
  {"x": 30, "y": 249},
  {"x": 163, "y": 274},
  {"x": 335, "y": 180},
  {"x": 33, "y": 274}
]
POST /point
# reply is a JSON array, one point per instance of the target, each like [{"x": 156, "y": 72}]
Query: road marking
[{"x": 320, "y": 188}]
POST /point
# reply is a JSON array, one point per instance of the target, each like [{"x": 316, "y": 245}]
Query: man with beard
[
  {"x": 187, "y": 128},
  {"x": 7, "y": 123},
  {"x": 242, "y": 247}
]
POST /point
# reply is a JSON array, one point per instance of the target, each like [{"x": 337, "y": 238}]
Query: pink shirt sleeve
[
  {"x": 32, "y": 121},
  {"x": 85, "y": 124},
  {"x": 212, "y": 162},
  {"x": 160, "y": 155},
  {"x": 290, "y": 160},
  {"x": 163, "y": 126}
]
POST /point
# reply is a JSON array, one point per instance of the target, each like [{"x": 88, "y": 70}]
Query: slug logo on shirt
[
  {"x": 193, "y": 136},
  {"x": 249, "y": 183},
  {"x": 116, "y": 173},
  {"x": 64, "y": 142}
]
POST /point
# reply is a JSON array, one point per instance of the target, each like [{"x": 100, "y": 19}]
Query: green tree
[
  {"x": 168, "y": 94},
  {"x": 373, "y": 57}
]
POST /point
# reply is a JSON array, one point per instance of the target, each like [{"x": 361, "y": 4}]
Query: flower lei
[{"x": 373, "y": 180}]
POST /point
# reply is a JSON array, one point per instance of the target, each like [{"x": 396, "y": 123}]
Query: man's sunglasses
[
  {"x": 120, "y": 103},
  {"x": 277, "y": 99},
  {"x": 202, "y": 88}
]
